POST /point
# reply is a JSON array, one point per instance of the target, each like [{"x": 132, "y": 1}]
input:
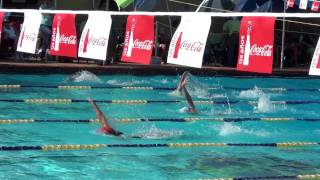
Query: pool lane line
[
  {"x": 301, "y": 176},
  {"x": 172, "y": 120},
  {"x": 136, "y": 102},
  {"x": 75, "y": 87},
  {"x": 165, "y": 145}
]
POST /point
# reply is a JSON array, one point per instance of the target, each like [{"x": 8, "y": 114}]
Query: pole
[
  {"x": 93, "y": 5},
  {"x": 107, "y": 5},
  {"x": 200, "y": 6},
  {"x": 1, "y": 5},
  {"x": 170, "y": 21},
  {"x": 156, "y": 40},
  {"x": 283, "y": 35}
]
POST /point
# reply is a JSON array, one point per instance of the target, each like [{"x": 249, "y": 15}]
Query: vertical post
[
  {"x": 156, "y": 43},
  {"x": 1, "y": 5},
  {"x": 283, "y": 35},
  {"x": 107, "y": 5},
  {"x": 55, "y": 4},
  {"x": 170, "y": 23},
  {"x": 93, "y": 4}
]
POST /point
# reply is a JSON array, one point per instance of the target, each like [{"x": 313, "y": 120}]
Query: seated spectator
[{"x": 10, "y": 35}]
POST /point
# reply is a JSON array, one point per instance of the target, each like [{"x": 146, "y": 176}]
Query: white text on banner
[
  {"x": 189, "y": 41},
  {"x": 95, "y": 36}
]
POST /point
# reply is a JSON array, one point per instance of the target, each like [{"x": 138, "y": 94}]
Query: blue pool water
[{"x": 159, "y": 163}]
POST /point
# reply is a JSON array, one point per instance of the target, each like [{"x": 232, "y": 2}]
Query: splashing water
[
  {"x": 251, "y": 93},
  {"x": 125, "y": 83},
  {"x": 83, "y": 76},
  {"x": 264, "y": 104},
  {"x": 155, "y": 133},
  {"x": 230, "y": 129}
]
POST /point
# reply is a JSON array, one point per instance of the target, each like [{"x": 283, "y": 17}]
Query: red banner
[
  {"x": 1, "y": 20},
  {"x": 315, "y": 6},
  {"x": 64, "y": 36},
  {"x": 139, "y": 39},
  {"x": 290, "y": 3},
  {"x": 256, "y": 44}
]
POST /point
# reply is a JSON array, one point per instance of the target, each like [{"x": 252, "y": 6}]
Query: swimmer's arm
[
  {"x": 183, "y": 80},
  {"x": 99, "y": 114},
  {"x": 192, "y": 108}
]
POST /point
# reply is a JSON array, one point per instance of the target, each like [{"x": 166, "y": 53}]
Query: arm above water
[
  {"x": 191, "y": 106},
  {"x": 183, "y": 80}
]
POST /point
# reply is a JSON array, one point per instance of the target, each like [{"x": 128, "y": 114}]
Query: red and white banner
[
  {"x": 64, "y": 36},
  {"x": 303, "y": 4},
  {"x": 29, "y": 32},
  {"x": 1, "y": 20},
  {"x": 315, "y": 6},
  {"x": 290, "y": 3},
  {"x": 95, "y": 36},
  {"x": 256, "y": 44},
  {"x": 315, "y": 64},
  {"x": 189, "y": 41},
  {"x": 139, "y": 39}
]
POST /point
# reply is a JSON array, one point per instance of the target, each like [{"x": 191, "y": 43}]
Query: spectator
[
  {"x": 10, "y": 35},
  {"x": 45, "y": 29},
  {"x": 231, "y": 28}
]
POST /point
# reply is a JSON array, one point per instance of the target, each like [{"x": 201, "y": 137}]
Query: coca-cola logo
[
  {"x": 143, "y": 45},
  {"x": 68, "y": 39},
  {"x": 30, "y": 37},
  {"x": 265, "y": 50},
  {"x": 192, "y": 46},
  {"x": 102, "y": 41}
]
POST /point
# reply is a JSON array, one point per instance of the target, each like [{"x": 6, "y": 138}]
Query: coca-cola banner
[
  {"x": 256, "y": 44},
  {"x": 95, "y": 36},
  {"x": 189, "y": 41},
  {"x": 315, "y": 64},
  {"x": 139, "y": 39},
  {"x": 1, "y": 19},
  {"x": 29, "y": 32},
  {"x": 303, "y": 4},
  {"x": 315, "y": 6},
  {"x": 64, "y": 36}
]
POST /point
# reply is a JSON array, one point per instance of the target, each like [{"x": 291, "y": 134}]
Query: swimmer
[
  {"x": 183, "y": 90},
  {"x": 106, "y": 128}
]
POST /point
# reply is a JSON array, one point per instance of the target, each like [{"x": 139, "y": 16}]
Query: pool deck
[{"x": 167, "y": 69}]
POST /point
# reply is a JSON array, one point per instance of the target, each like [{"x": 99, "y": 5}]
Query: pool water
[{"x": 159, "y": 163}]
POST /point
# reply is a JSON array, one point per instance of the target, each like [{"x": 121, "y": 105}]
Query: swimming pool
[{"x": 159, "y": 162}]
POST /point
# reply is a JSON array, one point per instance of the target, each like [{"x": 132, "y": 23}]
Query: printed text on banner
[
  {"x": 315, "y": 64},
  {"x": 64, "y": 36},
  {"x": 256, "y": 44}
]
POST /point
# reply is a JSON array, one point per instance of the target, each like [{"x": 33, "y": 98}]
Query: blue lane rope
[
  {"x": 173, "y": 120},
  {"x": 131, "y": 102},
  {"x": 75, "y": 87},
  {"x": 166, "y": 145}
]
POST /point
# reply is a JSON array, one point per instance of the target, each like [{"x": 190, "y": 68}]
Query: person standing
[{"x": 45, "y": 29}]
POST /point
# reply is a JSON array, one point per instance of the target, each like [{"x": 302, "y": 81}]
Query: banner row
[
  {"x": 304, "y": 4},
  {"x": 256, "y": 40}
]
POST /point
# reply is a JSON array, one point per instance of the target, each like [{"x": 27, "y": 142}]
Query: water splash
[
  {"x": 228, "y": 129},
  {"x": 83, "y": 76},
  {"x": 125, "y": 83},
  {"x": 153, "y": 132},
  {"x": 251, "y": 93},
  {"x": 264, "y": 104}
]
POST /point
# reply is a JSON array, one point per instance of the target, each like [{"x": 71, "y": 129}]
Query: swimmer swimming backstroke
[
  {"x": 106, "y": 128},
  {"x": 183, "y": 90}
]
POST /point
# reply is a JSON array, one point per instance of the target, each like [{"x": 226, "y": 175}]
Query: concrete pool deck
[{"x": 125, "y": 68}]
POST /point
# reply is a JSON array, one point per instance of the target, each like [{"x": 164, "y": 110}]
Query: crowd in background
[{"x": 221, "y": 48}]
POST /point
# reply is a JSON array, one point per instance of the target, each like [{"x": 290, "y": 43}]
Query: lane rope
[
  {"x": 173, "y": 120},
  {"x": 60, "y": 147},
  {"x": 136, "y": 102},
  {"x": 74, "y": 87}
]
